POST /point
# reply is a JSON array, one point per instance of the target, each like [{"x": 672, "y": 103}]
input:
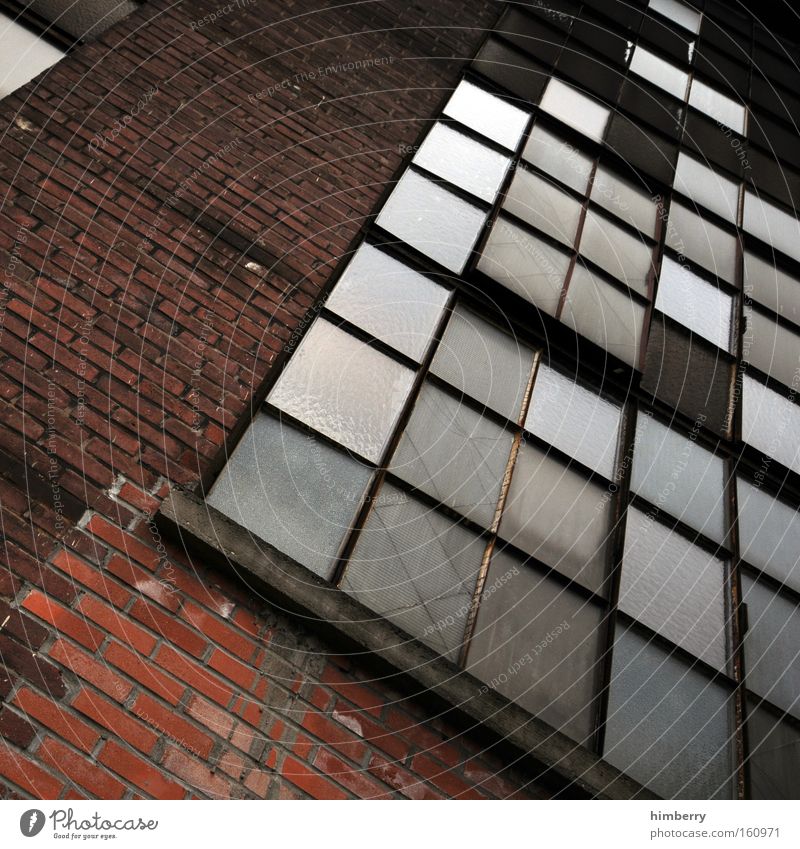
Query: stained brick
[
  {"x": 53, "y": 716},
  {"x": 144, "y": 775},
  {"x": 119, "y": 722}
]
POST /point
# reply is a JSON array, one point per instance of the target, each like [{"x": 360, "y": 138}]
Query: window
[
  {"x": 706, "y": 187},
  {"x": 23, "y": 55},
  {"x": 772, "y": 287},
  {"x": 486, "y": 114},
  {"x": 771, "y": 347},
  {"x": 575, "y": 109},
  {"x": 718, "y": 106},
  {"x": 772, "y": 224},
  {"x": 774, "y": 754},
  {"x": 660, "y": 72},
  {"x": 771, "y": 423},
  {"x": 702, "y": 242},
  {"x": 626, "y": 201},
  {"x": 680, "y": 13},
  {"x": 543, "y": 205},
  {"x": 558, "y": 158}
]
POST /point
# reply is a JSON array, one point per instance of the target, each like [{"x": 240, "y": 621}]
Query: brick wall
[{"x": 174, "y": 195}]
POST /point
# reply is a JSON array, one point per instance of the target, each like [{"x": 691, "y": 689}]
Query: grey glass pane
[
  {"x": 617, "y": 251},
  {"x": 418, "y": 569},
  {"x": 769, "y": 534},
  {"x": 463, "y": 161},
  {"x": 774, "y": 756},
  {"x": 701, "y": 306},
  {"x": 558, "y": 158},
  {"x": 668, "y": 727},
  {"x": 678, "y": 12},
  {"x": 771, "y": 423},
  {"x": 292, "y": 490},
  {"x": 772, "y": 224},
  {"x": 623, "y": 199},
  {"x": 772, "y": 646},
  {"x": 676, "y": 474},
  {"x": 559, "y": 517},
  {"x": 605, "y": 315},
  {"x": 539, "y": 644},
  {"x": 525, "y": 264},
  {"x": 454, "y": 455},
  {"x": 487, "y": 114},
  {"x": 660, "y": 72},
  {"x": 706, "y": 187},
  {"x": 576, "y": 420},
  {"x": 771, "y": 347},
  {"x": 720, "y": 107},
  {"x": 389, "y": 300},
  {"x": 675, "y": 588},
  {"x": 483, "y": 362},
  {"x": 543, "y": 205},
  {"x": 432, "y": 219},
  {"x": 702, "y": 242},
  {"x": 344, "y": 389},
  {"x": 575, "y": 109},
  {"x": 772, "y": 287},
  {"x": 23, "y": 55}
]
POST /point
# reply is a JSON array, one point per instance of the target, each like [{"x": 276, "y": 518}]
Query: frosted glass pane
[
  {"x": 344, "y": 389},
  {"x": 695, "y": 303},
  {"x": 292, "y": 490},
  {"x": 677, "y": 475},
  {"x": 702, "y": 242},
  {"x": 774, "y": 756},
  {"x": 23, "y": 55},
  {"x": 769, "y": 534},
  {"x": 616, "y": 251},
  {"x": 607, "y": 316},
  {"x": 543, "y": 205},
  {"x": 772, "y": 646},
  {"x": 432, "y": 219},
  {"x": 668, "y": 727},
  {"x": 675, "y": 588},
  {"x": 772, "y": 348},
  {"x": 558, "y": 516},
  {"x": 454, "y": 455},
  {"x": 576, "y": 420},
  {"x": 575, "y": 109},
  {"x": 415, "y": 567},
  {"x": 706, "y": 187},
  {"x": 486, "y": 114},
  {"x": 717, "y": 105},
  {"x": 551, "y": 634},
  {"x": 772, "y": 287},
  {"x": 525, "y": 264},
  {"x": 772, "y": 224},
  {"x": 624, "y": 200},
  {"x": 483, "y": 362},
  {"x": 389, "y": 300},
  {"x": 463, "y": 161},
  {"x": 771, "y": 423},
  {"x": 660, "y": 72},
  {"x": 678, "y": 12},
  {"x": 558, "y": 158}
]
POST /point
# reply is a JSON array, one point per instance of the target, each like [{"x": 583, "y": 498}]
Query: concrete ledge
[{"x": 286, "y": 584}]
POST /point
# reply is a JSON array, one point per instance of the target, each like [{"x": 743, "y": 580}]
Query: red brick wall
[{"x": 135, "y": 324}]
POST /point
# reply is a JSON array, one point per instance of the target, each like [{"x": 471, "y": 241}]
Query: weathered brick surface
[{"x": 172, "y": 198}]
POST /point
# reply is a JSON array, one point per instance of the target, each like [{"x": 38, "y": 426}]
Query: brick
[
  {"x": 15, "y": 728},
  {"x": 449, "y": 783},
  {"x": 85, "y": 773},
  {"x": 63, "y": 620},
  {"x": 344, "y": 741},
  {"x": 91, "y": 670},
  {"x": 219, "y": 631},
  {"x": 53, "y": 716},
  {"x": 30, "y": 777},
  {"x": 116, "y": 720},
  {"x": 144, "y": 582},
  {"x": 196, "y": 774},
  {"x": 91, "y": 577},
  {"x": 401, "y": 779},
  {"x": 218, "y": 721},
  {"x": 356, "y": 780},
  {"x": 120, "y": 626},
  {"x": 359, "y": 723},
  {"x": 311, "y": 782},
  {"x": 23, "y": 628},
  {"x": 194, "y": 674},
  {"x": 144, "y": 673},
  {"x": 239, "y": 673},
  {"x": 144, "y": 775},
  {"x": 31, "y": 666},
  {"x": 130, "y": 546},
  {"x": 166, "y": 626},
  {"x": 169, "y": 723},
  {"x": 352, "y": 691}
]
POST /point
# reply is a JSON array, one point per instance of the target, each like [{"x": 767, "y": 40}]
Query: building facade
[{"x": 395, "y": 407}]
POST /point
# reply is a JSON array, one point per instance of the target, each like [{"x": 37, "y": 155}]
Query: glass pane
[
  {"x": 771, "y": 423},
  {"x": 463, "y": 161},
  {"x": 432, "y": 219},
  {"x": 769, "y": 534},
  {"x": 669, "y": 726},
  {"x": 539, "y": 644},
  {"x": 417, "y": 568},
  {"x": 664, "y": 74},
  {"x": 624, "y": 200},
  {"x": 675, "y": 588},
  {"x": 705, "y": 243},
  {"x": 676, "y": 474},
  {"x": 770, "y": 347},
  {"x": 389, "y": 300},
  {"x": 706, "y": 187},
  {"x": 772, "y": 287},
  {"x": 575, "y": 109},
  {"x": 576, "y": 420},
  {"x": 717, "y": 105},
  {"x": 605, "y": 315},
  {"x": 344, "y": 389},
  {"x": 486, "y": 114},
  {"x": 558, "y": 158},
  {"x": 772, "y": 646},
  {"x": 454, "y": 455},
  {"x": 774, "y": 756},
  {"x": 483, "y": 362},
  {"x": 544, "y": 206},
  {"x": 23, "y": 55},
  {"x": 525, "y": 264},
  {"x": 698, "y": 305},
  {"x": 616, "y": 251},
  {"x": 678, "y": 12},
  {"x": 559, "y": 517},
  {"x": 292, "y": 490},
  {"x": 772, "y": 224}
]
